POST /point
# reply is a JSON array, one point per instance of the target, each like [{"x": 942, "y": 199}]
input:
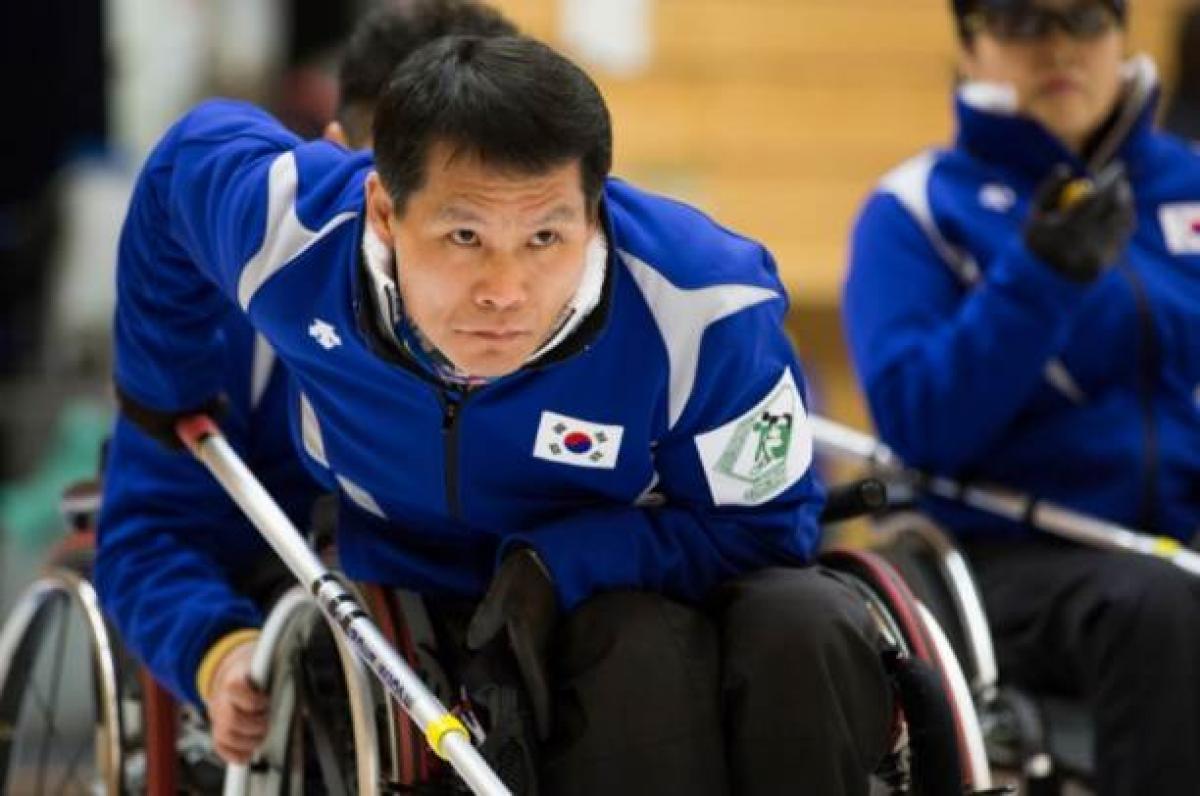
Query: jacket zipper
[
  {"x": 1147, "y": 371},
  {"x": 452, "y": 405}
]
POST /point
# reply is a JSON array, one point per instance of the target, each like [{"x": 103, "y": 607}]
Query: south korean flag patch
[
  {"x": 1181, "y": 227},
  {"x": 755, "y": 457},
  {"x": 578, "y": 443}
]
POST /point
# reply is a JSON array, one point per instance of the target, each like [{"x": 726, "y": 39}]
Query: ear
[
  {"x": 337, "y": 134},
  {"x": 380, "y": 209}
]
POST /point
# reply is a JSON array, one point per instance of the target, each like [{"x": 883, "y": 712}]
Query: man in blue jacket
[
  {"x": 1048, "y": 339},
  {"x": 179, "y": 568},
  {"x": 536, "y": 390}
]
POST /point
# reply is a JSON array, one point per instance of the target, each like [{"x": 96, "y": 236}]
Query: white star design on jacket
[{"x": 324, "y": 333}]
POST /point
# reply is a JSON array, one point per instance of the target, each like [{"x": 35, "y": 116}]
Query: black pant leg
[
  {"x": 809, "y": 707},
  {"x": 1120, "y": 630},
  {"x": 636, "y": 701}
]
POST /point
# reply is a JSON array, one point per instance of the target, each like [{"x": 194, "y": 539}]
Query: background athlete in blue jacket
[
  {"x": 179, "y": 568},
  {"x": 1003, "y": 333},
  {"x": 536, "y": 386}
]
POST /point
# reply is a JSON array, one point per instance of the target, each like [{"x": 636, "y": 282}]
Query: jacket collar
[{"x": 990, "y": 128}]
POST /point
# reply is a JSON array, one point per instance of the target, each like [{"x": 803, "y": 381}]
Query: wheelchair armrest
[{"x": 846, "y": 501}]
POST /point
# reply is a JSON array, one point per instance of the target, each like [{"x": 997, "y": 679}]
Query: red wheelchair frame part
[
  {"x": 416, "y": 762},
  {"x": 160, "y": 713},
  {"x": 161, "y": 716}
]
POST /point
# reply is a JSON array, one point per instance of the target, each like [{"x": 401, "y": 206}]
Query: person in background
[{"x": 1022, "y": 309}]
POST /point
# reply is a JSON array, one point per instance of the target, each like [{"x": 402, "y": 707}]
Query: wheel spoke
[
  {"x": 33, "y": 686},
  {"x": 56, "y": 679},
  {"x": 40, "y": 703},
  {"x": 71, "y": 776}
]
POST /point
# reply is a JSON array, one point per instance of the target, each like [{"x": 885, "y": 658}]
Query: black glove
[
  {"x": 1078, "y": 227},
  {"x": 521, "y": 600}
]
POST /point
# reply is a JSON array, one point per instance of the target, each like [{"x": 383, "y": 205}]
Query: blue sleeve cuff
[{"x": 1034, "y": 283}]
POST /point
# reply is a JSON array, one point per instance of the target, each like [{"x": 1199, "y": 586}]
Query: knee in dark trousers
[
  {"x": 1145, "y": 639},
  {"x": 1145, "y": 600},
  {"x": 809, "y": 706},
  {"x": 637, "y": 701},
  {"x": 1121, "y": 630}
]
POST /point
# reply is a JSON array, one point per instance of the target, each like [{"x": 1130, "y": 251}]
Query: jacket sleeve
[
  {"x": 198, "y": 215},
  {"x": 170, "y": 543},
  {"x": 739, "y": 492},
  {"x": 945, "y": 369}
]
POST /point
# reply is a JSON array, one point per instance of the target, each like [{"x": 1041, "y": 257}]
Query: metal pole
[
  {"x": 838, "y": 440},
  {"x": 443, "y": 731}
]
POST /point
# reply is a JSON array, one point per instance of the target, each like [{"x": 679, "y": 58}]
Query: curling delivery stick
[
  {"x": 844, "y": 442},
  {"x": 445, "y": 734}
]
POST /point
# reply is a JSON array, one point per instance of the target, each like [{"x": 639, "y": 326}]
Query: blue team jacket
[
  {"x": 171, "y": 543},
  {"x": 663, "y": 447},
  {"x": 978, "y": 361}
]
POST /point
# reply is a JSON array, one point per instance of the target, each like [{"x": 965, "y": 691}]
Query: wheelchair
[
  {"x": 78, "y": 715},
  {"x": 1043, "y": 742},
  {"x": 937, "y": 728}
]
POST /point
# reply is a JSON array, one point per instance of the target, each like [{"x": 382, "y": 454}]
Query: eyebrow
[
  {"x": 457, "y": 214},
  {"x": 560, "y": 213}
]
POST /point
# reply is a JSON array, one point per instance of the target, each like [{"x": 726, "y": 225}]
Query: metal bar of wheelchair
[
  {"x": 836, "y": 439},
  {"x": 237, "y": 776},
  {"x": 443, "y": 731}
]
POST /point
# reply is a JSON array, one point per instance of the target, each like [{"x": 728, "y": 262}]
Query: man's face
[
  {"x": 1069, "y": 84},
  {"x": 486, "y": 259}
]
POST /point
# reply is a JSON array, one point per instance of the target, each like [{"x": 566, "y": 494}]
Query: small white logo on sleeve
[
  {"x": 755, "y": 457},
  {"x": 1181, "y": 227},
  {"x": 324, "y": 334},
  {"x": 997, "y": 197},
  {"x": 580, "y": 443}
]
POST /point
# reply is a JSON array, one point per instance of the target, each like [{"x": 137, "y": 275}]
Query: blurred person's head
[
  {"x": 491, "y": 154},
  {"x": 1062, "y": 58},
  {"x": 383, "y": 39}
]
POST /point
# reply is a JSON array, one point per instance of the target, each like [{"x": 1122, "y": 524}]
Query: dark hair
[
  {"x": 964, "y": 8},
  {"x": 510, "y": 101},
  {"x": 388, "y": 35}
]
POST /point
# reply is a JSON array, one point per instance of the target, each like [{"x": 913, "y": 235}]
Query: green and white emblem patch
[{"x": 755, "y": 457}]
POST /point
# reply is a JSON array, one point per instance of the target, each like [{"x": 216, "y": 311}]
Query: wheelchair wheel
[
  {"x": 60, "y": 701},
  {"x": 911, "y": 630},
  {"x": 939, "y": 575},
  {"x": 323, "y": 736},
  {"x": 1042, "y": 742}
]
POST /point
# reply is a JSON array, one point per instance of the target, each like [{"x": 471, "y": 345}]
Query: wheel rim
[
  {"x": 59, "y": 719},
  {"x": 279, "y": 766}
]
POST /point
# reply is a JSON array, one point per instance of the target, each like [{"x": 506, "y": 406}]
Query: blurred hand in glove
[{"x": 1079, "y": 227}]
